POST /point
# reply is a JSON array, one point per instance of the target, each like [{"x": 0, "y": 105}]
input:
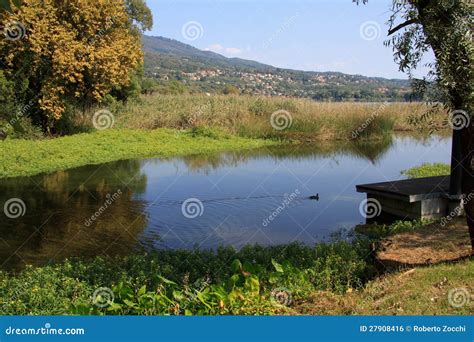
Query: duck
[{"x": 314, "y": 197}]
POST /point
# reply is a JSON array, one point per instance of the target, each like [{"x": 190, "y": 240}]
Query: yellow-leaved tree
[{"x": 70, "y": 51}]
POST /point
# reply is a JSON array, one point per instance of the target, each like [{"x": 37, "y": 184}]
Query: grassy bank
[
  {"x": 416, "y": 291},
  {"x": 251, "y": 116},
  {"x": 292, "y": 279},
  {"x": 255, "y": 280},
  {"x": 29, "y": 157},
  {"x": 428, "y": 170},
  {"x": 343, "y": 277}
]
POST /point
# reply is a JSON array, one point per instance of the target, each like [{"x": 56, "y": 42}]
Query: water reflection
[
  {"x": 138, "y": 204},
  {"x": 58, "y": 206},
  {"x": 370, "y": 151}
]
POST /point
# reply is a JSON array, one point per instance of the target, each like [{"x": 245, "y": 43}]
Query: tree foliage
[
  {"x": 445, "y": 27},
  {"x": 73, "y": 51}
]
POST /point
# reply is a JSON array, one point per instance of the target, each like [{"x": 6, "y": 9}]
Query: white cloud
[
  {"x": 225, "y": 50},
  {"x": 233, "y": 51},
  {"x": 215, "y": 48}
]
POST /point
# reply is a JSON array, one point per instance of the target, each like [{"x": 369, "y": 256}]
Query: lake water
[{"x": 249, "y": 197}]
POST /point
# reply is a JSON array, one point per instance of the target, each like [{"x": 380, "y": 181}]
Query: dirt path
[{"x": 429, "y": 245}]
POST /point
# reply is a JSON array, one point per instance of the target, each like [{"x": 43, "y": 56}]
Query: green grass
[
  {"x": 328, "y": 279},
  {"x": 420, "y": 291},
  {"x": 380, "y": 231},
  {"x": 427, "y": 170},
  {"x": 337, "y": 279},
  {"x": 30, "y": 157},
  {"x": 188, "y": 282}
]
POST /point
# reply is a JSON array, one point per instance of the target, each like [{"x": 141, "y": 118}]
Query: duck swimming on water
[{"x": 314, "y": 197}]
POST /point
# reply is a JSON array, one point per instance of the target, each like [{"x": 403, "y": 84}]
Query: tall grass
[{"x": 250, "y": 116}]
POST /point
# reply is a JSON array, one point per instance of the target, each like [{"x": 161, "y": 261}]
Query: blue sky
[{"x": 318, "y": 35}]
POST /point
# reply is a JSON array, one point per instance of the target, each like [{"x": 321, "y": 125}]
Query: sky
[{"x": 313, "y": 35}]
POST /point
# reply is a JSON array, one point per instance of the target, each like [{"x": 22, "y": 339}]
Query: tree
[
  {"x": 230, "y": 90},
  {"x": 72, "y": 51},
  {"x": 443, "y": 26}
]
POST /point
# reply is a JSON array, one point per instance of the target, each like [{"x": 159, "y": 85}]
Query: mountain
[{"x": 206, "y": 71}]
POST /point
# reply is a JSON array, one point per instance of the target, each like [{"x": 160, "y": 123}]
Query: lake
[{"x": 204, "y": 201}]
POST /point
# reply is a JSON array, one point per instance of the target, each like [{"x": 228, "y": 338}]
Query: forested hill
[{"x": 169, "y": 59}]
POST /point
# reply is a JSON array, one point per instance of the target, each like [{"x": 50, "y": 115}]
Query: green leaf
[
  {"x": 236, "y": 265},
  {"x": 278, "y": 267},
  {"x": 5, "y": 5},
  {"x": 273, "y": 278},
  {"x": 129, "y": 303},
  {"x": 166, "y": 281},
  {"x": 114, "y": 307},
  {"x": 142, "y": 291},
  {"x": 253, "y": 284},
  {"x": 178, "y": 295}
]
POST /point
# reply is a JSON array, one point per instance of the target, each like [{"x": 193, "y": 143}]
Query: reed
[{"x": 251, "y": 116}]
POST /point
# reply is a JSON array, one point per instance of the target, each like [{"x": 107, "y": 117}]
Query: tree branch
[{"x": 402, "y": 25}]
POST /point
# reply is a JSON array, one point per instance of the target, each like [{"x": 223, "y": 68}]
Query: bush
[
  {"x": 255, "y": 280},
  {"x": 427, "y": 170}
]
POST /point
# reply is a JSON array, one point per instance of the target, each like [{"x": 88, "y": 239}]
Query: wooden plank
[{"x": 410, "y": 190}]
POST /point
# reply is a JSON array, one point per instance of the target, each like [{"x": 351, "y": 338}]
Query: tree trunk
[
  {"x": 460, "y": 93},
  {"x": 468, "y": 178}
]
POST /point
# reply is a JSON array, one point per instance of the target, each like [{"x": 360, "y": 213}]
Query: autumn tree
[
  {"x": 445, "y": 28},
  {"x": 71, "y": 52}
]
